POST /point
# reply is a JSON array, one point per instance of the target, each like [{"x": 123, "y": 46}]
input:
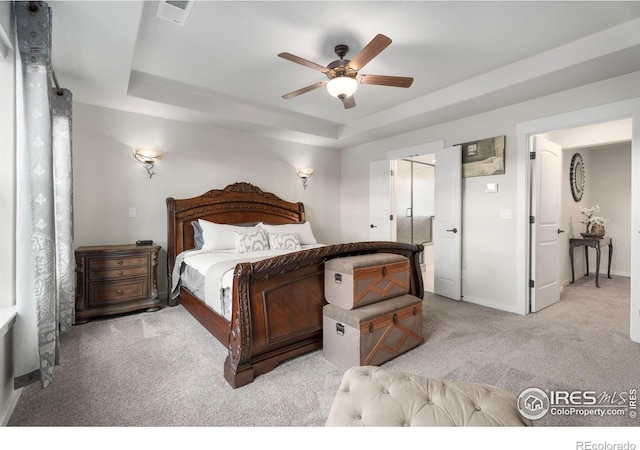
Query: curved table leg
[
  {"x": 597, "y": 265},
  {"x": 586, "y": 258},
  {"x": 573, "y": 278},
  {"x": 610, "y": 256}
]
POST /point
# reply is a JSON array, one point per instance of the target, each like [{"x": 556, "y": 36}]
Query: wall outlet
[{"x": 132, "y": 212}]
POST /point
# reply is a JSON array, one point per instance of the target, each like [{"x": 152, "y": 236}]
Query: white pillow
[
  {"x": 219, "y": 236},
  {"x": 302, "y": 230},
  {"x": 254, "y": 241},
  {"x": 284, "y": 241}
]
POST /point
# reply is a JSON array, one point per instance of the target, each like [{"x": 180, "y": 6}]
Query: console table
[{"x": 596, "y": 243}]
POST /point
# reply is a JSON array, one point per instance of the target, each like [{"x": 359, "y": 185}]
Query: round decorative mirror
[{"x": 577, "y": 177}]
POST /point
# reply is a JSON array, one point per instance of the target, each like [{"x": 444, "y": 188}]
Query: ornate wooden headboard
[{"x": 237, "y": 203}]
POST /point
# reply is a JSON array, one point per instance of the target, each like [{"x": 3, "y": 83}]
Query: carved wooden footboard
[{"x": 277, "y": 303}]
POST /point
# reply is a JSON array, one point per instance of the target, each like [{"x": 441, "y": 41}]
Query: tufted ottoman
[{"x": 371, "y": 396}]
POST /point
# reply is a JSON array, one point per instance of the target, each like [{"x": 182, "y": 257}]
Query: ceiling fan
[{"x": 343, "y": 73}]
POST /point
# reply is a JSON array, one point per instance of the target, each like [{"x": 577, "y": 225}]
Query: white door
[
  {"x": 546, "y": 171},
  {"x": 447, "y": 233},
  {"x": 380, "y": 200}
]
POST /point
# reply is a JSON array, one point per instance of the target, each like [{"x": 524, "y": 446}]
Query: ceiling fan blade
[
  {"x": 383, "y": 80},
  {"x": 304, "y": 62},
  {"x": 377, "y": 44},
  {"x": 349, "y": 102},
  {"x": 304, "y": 90}
]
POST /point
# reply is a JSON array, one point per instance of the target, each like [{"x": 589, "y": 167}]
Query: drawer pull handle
[
  {"x": 119, "y": 262},
  {"x": 120, "y": 291},
  {"x": 120, "y": 272}
]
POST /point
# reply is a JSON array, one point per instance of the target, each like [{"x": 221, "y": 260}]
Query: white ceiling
[{"x": 222, "y": 67}]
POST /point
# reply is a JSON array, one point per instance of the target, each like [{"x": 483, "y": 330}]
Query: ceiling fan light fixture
[{"x": 342, "y": 87}]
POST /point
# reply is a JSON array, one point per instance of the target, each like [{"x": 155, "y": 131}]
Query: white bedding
[{"x": 216, "y": 269}]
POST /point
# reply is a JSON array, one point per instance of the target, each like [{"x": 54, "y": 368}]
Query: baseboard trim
[
  {"x": 10, "y": 407},
  {"x": 489, "y": 304}
]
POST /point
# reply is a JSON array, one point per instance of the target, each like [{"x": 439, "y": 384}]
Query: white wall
[
  {"x": 8, "y": 397},
  {"x": 489, "y": 244},
  {"x": 611, "y": 189},
  {"x": 108, "y": 180}
]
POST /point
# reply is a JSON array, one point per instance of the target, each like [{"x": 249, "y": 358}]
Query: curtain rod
[{"x": 55, "y": 81}]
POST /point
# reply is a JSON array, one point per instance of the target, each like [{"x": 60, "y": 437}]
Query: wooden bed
[{"x": 277, "y": 302}]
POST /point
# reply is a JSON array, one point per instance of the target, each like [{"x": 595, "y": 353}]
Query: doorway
[
  {"x": 606, "y": 168},
  {"x": 596, "y": 115},
  {"x": 413, "y": 206}
]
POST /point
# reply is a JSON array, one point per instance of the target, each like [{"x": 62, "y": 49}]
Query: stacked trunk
[{"x": 370, "y": 317}]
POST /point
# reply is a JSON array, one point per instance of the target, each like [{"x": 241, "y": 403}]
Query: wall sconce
[
  {"x": 304, "y": 173},
  {"x": 148, "y": 157}
]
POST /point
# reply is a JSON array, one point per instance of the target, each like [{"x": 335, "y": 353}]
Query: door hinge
[
  {"x": 532, "y": 155},
  {"x": 532, "y": 219},
  {"x": 531, "y": 283},
  {"x": 391, "y": 172},
  {"x": 390, "y": 216}
]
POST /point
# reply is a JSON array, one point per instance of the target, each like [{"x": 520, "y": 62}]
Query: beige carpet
[{"x": 163, "y": 369}]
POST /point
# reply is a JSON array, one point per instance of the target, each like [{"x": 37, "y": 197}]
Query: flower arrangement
[{"x": 590, "y": 219}]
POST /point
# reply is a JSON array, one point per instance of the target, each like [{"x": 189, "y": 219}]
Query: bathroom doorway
[{"x": 413, "y": 206}]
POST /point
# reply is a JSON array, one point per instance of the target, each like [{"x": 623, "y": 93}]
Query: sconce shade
[
  {"x": 146, "y": 155},
  {"x": 342, "y": 87},
  {"x": 305, "y": 172}
]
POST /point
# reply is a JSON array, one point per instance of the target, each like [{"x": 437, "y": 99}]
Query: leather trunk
[
  {"x": 355, "y": 281},
  {"x": 373, "y": 334}
]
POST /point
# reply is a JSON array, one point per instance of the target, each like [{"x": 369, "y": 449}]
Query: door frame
[{"x": 588, "y": 116}]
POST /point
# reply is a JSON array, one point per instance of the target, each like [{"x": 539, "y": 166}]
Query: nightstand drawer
[
  {"x": 123, "y": 272},
  {"x": 108, "y": 293},
  {"x": 117, "y": 262}
]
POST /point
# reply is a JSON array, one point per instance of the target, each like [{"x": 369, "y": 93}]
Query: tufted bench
[{"x": 371, "y": 396}]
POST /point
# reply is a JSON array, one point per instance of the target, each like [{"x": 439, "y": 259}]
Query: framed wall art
[{"x": 483, "y": 157}]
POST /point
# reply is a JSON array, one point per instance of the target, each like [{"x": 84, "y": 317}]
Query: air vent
[{"x": 174, "y": 11}]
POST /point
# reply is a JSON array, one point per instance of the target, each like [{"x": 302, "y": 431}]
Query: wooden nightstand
[{"x": 115, "y": 279}]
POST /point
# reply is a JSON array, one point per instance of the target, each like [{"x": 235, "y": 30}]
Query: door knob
[
  {"x": 373, "y": 226},
  {"x": 560, "y": 231},
  {"x": 453, "y": 230}
]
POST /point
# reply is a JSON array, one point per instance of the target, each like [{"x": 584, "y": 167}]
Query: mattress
[{"x": 209, "y": 274}]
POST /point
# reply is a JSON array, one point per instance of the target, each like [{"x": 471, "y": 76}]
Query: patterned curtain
[{"x": 44, "y": 222}]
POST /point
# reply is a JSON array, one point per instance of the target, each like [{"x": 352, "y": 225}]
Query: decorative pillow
[
  {"x": 254, "y": 241},
  {"x": 302, "y": 230},
  {"x": 284, "y": 241},
  {"x": 219, "y": 236},
  {"x": 197, "y": 235}
]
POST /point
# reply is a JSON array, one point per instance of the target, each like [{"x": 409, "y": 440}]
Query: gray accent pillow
[
  {"x": 254, "y": 241},
  {"x": 284, "y": 241},
  {"x": 197, "y": 235}
]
